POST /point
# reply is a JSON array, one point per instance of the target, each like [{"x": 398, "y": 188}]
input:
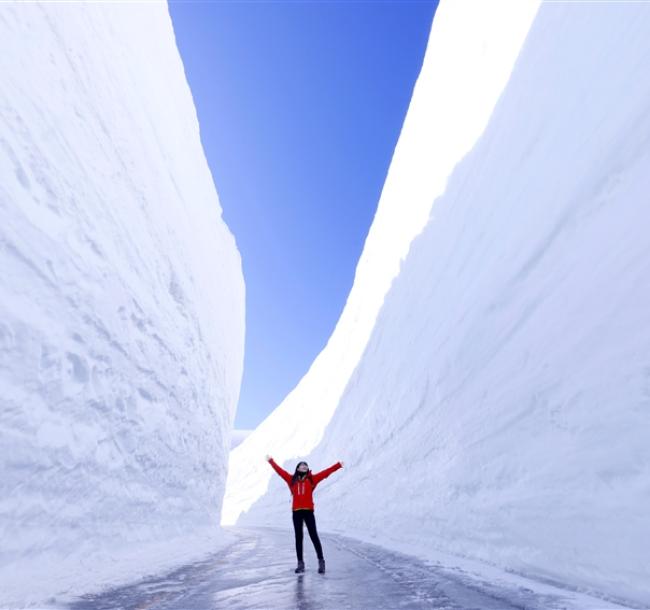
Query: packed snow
[
  {"x": 499, "y": 410},
  {"x": 122, "y": 307}
]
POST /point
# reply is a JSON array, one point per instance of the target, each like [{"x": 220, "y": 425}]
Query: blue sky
[{"x": 300, "y": 106}]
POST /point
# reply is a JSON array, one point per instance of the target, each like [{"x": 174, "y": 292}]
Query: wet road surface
[{"x": 256, "y": 573}]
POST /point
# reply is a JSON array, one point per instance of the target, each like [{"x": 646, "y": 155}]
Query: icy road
[{"x": 256, "y": 572}]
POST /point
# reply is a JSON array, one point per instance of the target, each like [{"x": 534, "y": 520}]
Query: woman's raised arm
[
  {"x": 281, "y": 471},
  {"x": 323, "y": 474}
]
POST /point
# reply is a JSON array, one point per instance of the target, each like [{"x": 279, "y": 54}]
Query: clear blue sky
[{"x": 300, "y": 106}]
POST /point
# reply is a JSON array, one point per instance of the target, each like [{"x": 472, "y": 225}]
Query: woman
[{"x": 302, "y": 485}]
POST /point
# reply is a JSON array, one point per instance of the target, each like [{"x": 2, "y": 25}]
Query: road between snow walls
[{"x": 487, "y": 385}]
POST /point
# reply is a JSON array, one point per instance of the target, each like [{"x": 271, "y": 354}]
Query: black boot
[
  {"x": 321, "y": 566},
  {"x": 300, "y": 568}
]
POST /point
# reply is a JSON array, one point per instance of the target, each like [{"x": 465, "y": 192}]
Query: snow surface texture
[
  {"x": 472, "y": 48},
  {"x": 501, "y": 408},
  {"x": 121, "y": 302}
]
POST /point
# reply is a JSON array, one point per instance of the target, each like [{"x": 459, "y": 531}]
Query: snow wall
[
  {"x": 500, "y": 409},
  {"x": 449, "y": 109},
  {"x": 121, "y": 307}
]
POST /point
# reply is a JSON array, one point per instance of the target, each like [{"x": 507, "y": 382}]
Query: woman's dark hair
[{"x": 296, "y": 474}]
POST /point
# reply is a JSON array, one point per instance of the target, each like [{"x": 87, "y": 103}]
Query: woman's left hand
[{"x": 342, "y": 464}]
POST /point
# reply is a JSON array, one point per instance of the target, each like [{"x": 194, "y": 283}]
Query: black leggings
[{"x": 306, "y": 516}]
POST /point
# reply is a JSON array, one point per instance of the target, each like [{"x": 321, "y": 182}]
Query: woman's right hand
[{"x": 268, "y": 457}]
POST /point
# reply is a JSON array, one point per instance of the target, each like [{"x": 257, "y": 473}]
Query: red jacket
[{"x": 302, "y": 490}]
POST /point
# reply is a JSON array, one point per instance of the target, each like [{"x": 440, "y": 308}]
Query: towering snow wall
[
  {"x": 473, "y": 46},
  {"x": 121, "y": 299},
  {"x": 501, "y": 409}
]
